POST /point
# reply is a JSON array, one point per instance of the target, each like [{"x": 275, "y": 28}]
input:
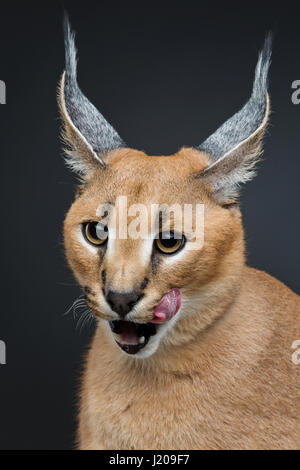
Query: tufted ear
[
  {"x": 85, "y": 131},
  {"x": 236, "y": 146}
]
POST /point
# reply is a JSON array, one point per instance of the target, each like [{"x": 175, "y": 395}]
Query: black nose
[{"x": 122, "y": 303}]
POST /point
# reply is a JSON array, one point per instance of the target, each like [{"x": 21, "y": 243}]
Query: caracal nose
[{"x": 122, "y": 302}]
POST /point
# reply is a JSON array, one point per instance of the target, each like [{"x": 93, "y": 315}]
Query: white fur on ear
[
  {"x": 87, "y": 133},
  {"x": 79, "y": 155},
  {"x": 236, "y": 146}
]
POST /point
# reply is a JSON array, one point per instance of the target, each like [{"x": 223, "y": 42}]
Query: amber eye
[
  {"x": 95, "y": 232},
  {"x": 169, "y": 242}
]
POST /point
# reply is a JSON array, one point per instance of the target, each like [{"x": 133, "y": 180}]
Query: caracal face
[{"x": 127, "y": 265}]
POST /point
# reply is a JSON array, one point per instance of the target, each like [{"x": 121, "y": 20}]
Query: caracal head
[{"x": 155, "y": 241}]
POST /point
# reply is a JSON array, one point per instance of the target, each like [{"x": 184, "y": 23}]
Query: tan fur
[{"x": 222, "y": 376}]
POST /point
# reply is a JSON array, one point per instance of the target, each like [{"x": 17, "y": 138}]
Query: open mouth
[{"x": 131, "y": 337}]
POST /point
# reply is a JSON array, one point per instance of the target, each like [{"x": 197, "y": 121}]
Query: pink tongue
[{"x": 167, "y": 307}]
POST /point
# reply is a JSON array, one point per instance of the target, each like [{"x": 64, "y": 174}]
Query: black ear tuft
[
  {"x": 242, "y": 124},
  {"x": 85, "y": 129},
  {"x": 236, "y": 146}
]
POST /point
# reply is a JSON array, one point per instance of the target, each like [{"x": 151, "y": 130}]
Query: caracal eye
[
  {"x": 169, "y": 242},
  {"x": 95, "y": 233}
]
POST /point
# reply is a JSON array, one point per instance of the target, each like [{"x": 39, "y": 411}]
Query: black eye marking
[
  {"x": 88, "y": 291},
  {"x": 144, "y": 283},
  {"x": 103, "y": 276},
  {"x": 155, "y": 261}
]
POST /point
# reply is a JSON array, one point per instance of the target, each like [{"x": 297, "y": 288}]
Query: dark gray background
[{"x": 164, "y": 76}]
